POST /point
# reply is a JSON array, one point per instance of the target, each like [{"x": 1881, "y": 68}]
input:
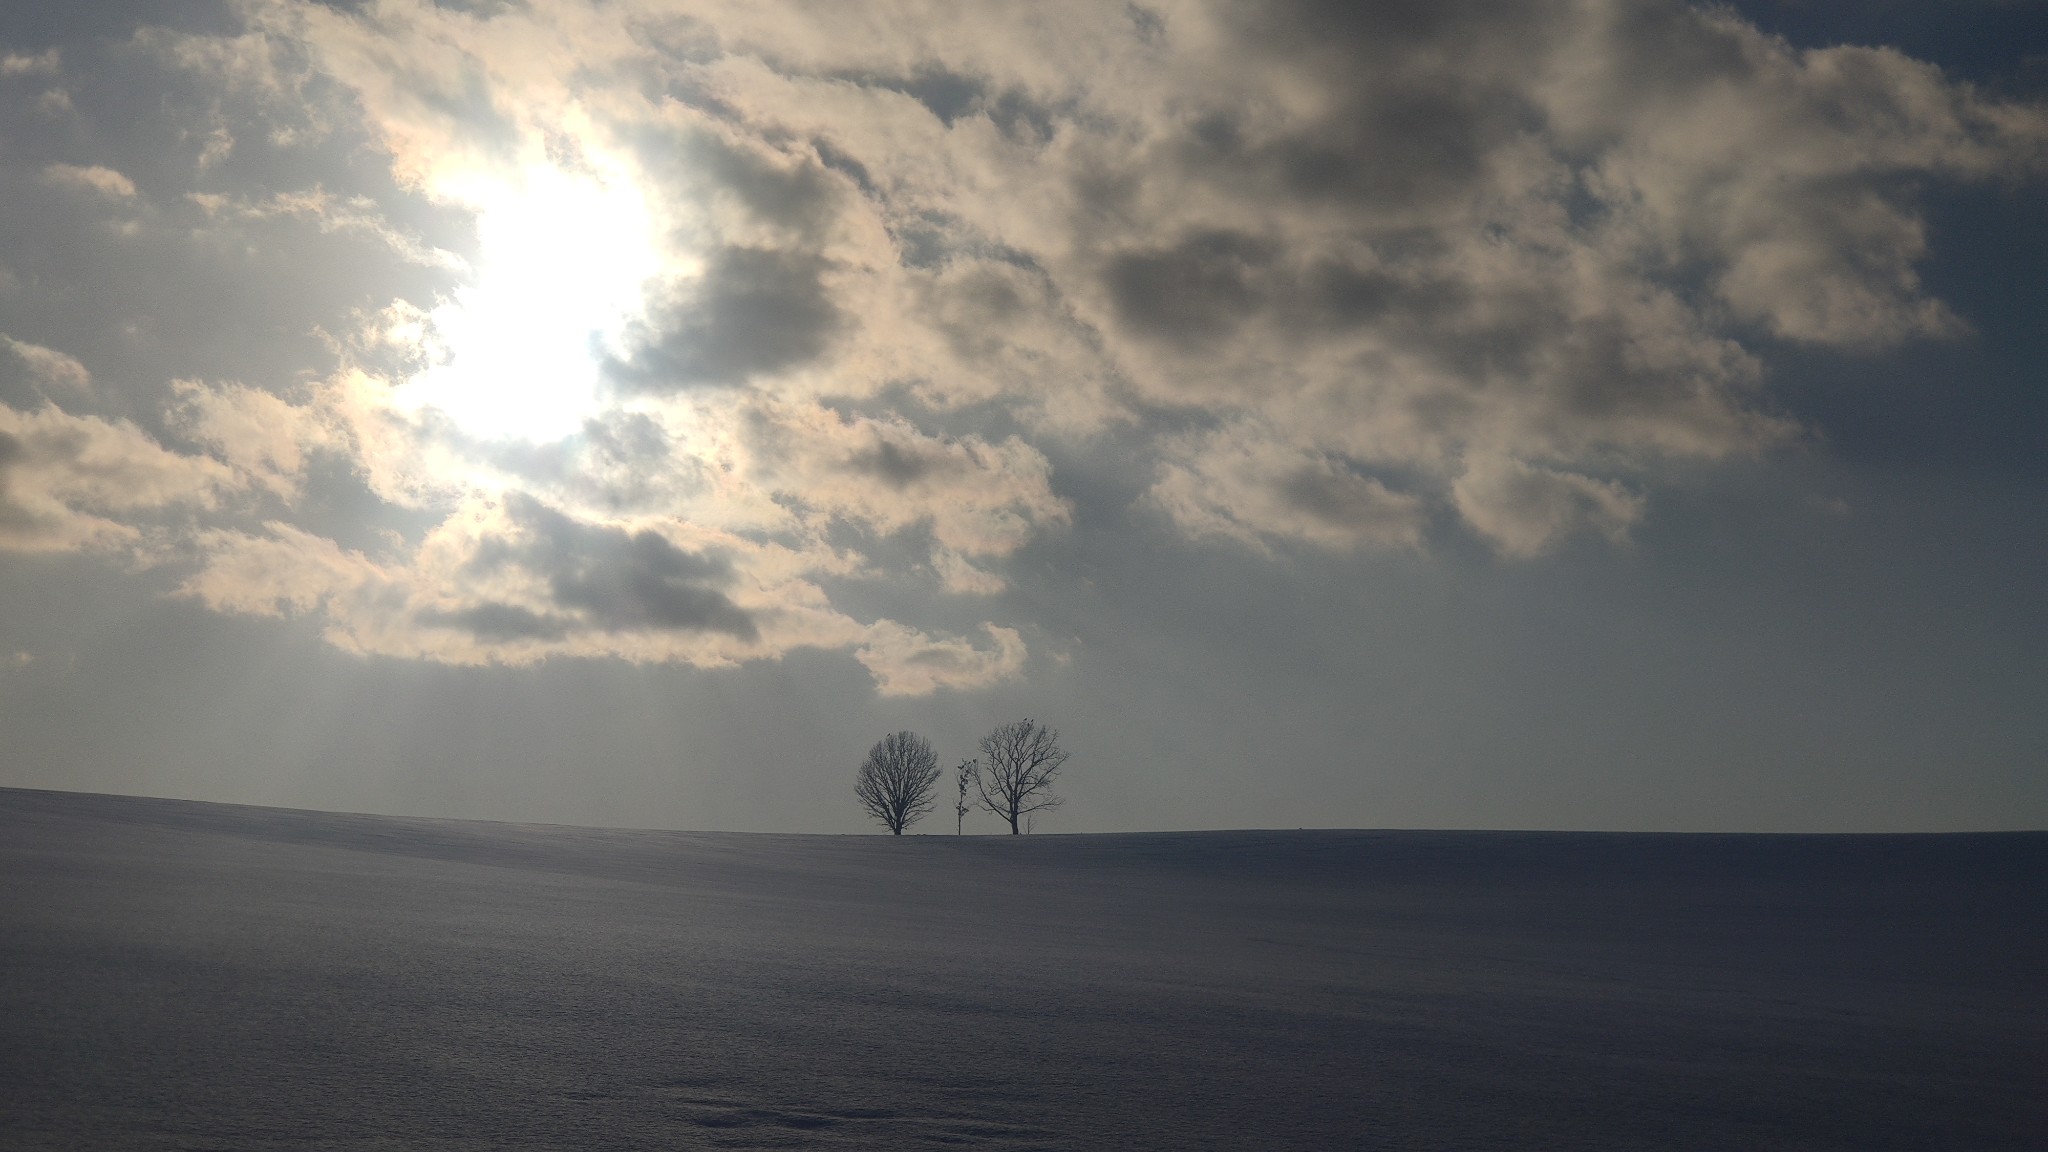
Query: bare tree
[
  {"x": 1022, "y": 759},
  {"x": 966, "y": 774},
  {"x": 895, "y": 782}
]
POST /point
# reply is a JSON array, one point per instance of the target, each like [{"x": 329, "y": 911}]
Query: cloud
[
  {"x": 516, "y": 582},
  {"x": 285, "y": 569},
  {"x": 47, "y": 367},
  {"x": 1524, "y": 510},
  {"x": 522, "y": 584},
  {"x": 262, "y": 76},
  {"x": 613, "y": 579},
  {"x": 1240, "y": 483},
  {"x": 761, "y": 299},
  {"x": 1396, "y": 238},
  {"x": 71, "y": 482},
  {"x": 263, "y": 437},
  {"x": 329, "y": 214},
  {"x": 93, "y": 178},
  {"x": 1192, "y": 294},
  {"x": 907, "y": 662},
  {"x": 752, "y": 311},
  {"x": 44, "y": 63},
  {"x": 958, "y": 575},
  {"x": 976, "y": 498}
]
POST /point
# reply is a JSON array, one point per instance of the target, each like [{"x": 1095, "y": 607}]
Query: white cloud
[
  {"x": 70, "y": 482},
  {"x": 907, "y": 662},
  {"x": 1242, "y": 483},
  {"x": 976, "y": 498},
  {"x": 48, "y": 367},
  {"x": 285, "y": 569},
  {"x": 266, "y": 66},
  {"x": 1525, "y": 510},
  {"x": 94, "y": 178},
  {"x": 1497, "y": 266},
  {"x": 44, "y": 63},
  {"x": 264, "y": 438},
  {"x": 514, "y": 582},
  {"x": 351, "y": 216},
  {"x": 959, "y": 576}
]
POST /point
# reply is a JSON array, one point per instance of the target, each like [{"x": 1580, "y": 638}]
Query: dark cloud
[
  {"x": 844, "y": 164},
  {"x": 1200, "y": 291},
  {"x": 755, "y": 311},
  {"x": 615, "y": 579},
  {"x": 1340, "y": 295},
  {"x": 897, "y": 465},
  {"x": 500, "y": 622},
  {"x": 795, "y": 193},
  {"x": 1193, "y": 293},
  {"x": 950, "y": 96},
  {"x": 798, "y": 196},
  {"x": 1392, "y": 137},
  {"x": 1398, "y": 146},
  {"x": 946, "y": 95},
  {"x": 1022, "y": 119}
]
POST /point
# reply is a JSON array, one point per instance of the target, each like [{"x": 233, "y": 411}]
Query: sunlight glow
[{"x": 516, "y": 352}]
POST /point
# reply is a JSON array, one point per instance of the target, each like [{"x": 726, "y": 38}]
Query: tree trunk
[{"x": 1013, "y": 823}]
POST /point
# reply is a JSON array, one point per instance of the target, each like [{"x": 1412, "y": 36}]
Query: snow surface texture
[{"x": 177, "y": 975}]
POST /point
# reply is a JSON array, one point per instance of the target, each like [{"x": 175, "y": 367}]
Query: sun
[{"x": 563, "y": 261}]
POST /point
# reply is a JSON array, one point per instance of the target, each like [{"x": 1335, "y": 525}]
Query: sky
[{"x": 1580, "y": 414}]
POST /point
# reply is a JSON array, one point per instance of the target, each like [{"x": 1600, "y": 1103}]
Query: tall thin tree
[
  {"x": 895, "y": 782},
  {"x": 1020, "y": 761},
  {"x": 965, "y": 775}
]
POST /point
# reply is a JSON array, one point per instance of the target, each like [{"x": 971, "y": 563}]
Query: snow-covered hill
[{"x": 179, "y": 975}]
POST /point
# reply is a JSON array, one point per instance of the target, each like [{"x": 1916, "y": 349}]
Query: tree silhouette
[
  {"x": 1021, "y": 760},
  {"x": 895, "y": 782},
  {"x": 966, "y": 774}
]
